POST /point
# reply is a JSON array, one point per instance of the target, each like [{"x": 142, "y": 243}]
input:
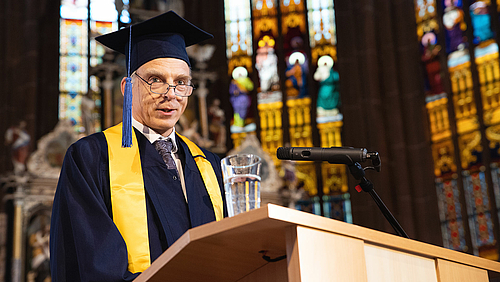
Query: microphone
[{"x": 333, "y": 155}]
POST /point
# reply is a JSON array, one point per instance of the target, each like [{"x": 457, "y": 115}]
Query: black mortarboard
[{"x": 164, "y": 36}]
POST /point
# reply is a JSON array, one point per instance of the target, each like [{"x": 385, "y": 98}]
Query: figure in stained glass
[
  {"x": 296, "y": 75},
  {"x": 266, "y": 63},
  {"x": 328, "y": 94},
  {"x": 480, "y": 21},
  {"x": 430, "y": 57},
  {"x": 239, "y": 88},
  {"x": 453, "y": 20}
]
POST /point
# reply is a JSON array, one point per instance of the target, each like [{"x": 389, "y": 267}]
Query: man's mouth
[{"x": 167, "y": 110}]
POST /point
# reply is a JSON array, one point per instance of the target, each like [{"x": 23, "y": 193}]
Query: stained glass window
[
  {"x": 271, "y": 46},
  {"x": 466, "y": 175},
  {"x": 239, "y": 51},
  {"x": 322, "y": 40},
  {"x": 79, "y": 52},
  {"x": 269, "y": 93}
]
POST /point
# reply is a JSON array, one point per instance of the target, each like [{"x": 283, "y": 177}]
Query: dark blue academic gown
[{"x": 85, "y": 244}]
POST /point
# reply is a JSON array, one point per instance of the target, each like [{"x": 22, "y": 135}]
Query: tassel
[
  {"x": 127, "y": 114},
  {"x": 127, "y": 102}
]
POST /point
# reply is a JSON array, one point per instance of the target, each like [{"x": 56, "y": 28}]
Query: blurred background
[{"x": 417, "y": 81}]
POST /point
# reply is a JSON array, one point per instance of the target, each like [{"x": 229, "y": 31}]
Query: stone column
[{"x": 18, "y": 238}]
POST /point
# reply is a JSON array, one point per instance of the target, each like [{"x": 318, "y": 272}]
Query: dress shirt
[{"x": 152, "y": 136}]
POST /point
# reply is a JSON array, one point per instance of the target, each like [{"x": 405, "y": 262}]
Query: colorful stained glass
[
  {"x": 73, "y": 74},
  {"x": 311, "y": 205},
  {"x": 76, "y": 104},
  {"x": 97, "y": 50},
  {"x": 489, "y": 78},
  {"x": 450, "y": 212},
  {"x": 265, "y": 8},
  {"x": 443, "y": 155},
  {"x": 322, "y": 29},
  {"x": 239, "y": 50},
  {"x": 424, "y": 10},
  {"x": 293, "y": 30},
  {"x": 100, "y": 27},
  {"x": 238, "y": 28},
  {"x": 481, "y": 21},
  {"x": 463, "y": 93},
  {"x": 455, "y": 26},
  {"x": 70, "y": 107},
  {"x": 73, "y": 38},
  {"x": 470, "y": 147},
  {"x": 437, "y": 109},
  {"x": 269, "y": 95},
  {"x": 495, "y": 175},
  {"x": 338, "y": 207},
  {"x": 265, "y": 28},
  {"x": 478, "y": 210}
]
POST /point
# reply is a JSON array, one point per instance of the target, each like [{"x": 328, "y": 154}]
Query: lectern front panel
[
  {"x": 386, "y": 265},
  {"x": 316, "y": 255},
  {"x": 456, "y": 272}
]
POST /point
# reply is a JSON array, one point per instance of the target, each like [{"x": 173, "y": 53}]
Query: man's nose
[{"x": 170, "y": 93}]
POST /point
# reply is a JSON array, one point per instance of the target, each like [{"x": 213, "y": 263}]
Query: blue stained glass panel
[
  {"x": 70, "y": 108},
  {"x": 73, "y": 74},
  {"x": 338, "y": 207},
  {"x": 450, "y": 214},
  {"x": 478, "y": 210},
  {"x": 495, "y": 175}
]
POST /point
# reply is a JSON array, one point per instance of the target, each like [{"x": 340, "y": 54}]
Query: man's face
[{"x": 159, "y": 112}]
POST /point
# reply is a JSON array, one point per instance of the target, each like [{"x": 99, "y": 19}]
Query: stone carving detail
[{"x": 46, "y": 162}]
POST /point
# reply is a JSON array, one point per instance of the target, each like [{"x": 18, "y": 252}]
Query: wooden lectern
[{"x": 316, "y": 249}]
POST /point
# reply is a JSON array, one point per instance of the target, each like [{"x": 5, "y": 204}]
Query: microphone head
[{"x": 284, "y": 153}]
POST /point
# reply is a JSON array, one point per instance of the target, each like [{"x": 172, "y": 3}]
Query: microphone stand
[{"x": 359, "y": 174}]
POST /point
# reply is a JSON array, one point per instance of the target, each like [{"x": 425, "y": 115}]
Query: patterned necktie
[{"x": 164, "y": 147}]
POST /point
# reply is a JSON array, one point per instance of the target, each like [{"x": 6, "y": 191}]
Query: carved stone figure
[{"x": 19, "y": 139}]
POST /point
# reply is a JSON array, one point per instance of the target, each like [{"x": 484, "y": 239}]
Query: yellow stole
[{"x": 128, "y": 200}]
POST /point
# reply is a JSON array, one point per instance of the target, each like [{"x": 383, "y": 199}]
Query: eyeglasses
[{"x": 162, "y": 88}]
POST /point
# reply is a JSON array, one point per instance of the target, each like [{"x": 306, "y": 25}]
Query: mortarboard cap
[{"x": 164, "y": 36}]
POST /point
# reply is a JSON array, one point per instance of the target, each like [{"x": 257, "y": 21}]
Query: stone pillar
[{"x": 18, "y": 238}]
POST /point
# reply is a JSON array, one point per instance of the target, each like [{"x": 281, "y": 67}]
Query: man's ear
[{"x": 122, "y": 85}]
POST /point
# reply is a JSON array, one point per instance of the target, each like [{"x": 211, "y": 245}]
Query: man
[{"x": 124, "y": 196}]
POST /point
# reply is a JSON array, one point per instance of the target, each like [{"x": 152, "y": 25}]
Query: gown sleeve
[{"x": 85, "y": 244}]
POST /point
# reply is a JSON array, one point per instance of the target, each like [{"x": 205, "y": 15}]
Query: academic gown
[{"x": 85, "y": 244}]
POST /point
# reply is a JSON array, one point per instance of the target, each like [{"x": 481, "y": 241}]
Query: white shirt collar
[{"x": 152, "y": 135}]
